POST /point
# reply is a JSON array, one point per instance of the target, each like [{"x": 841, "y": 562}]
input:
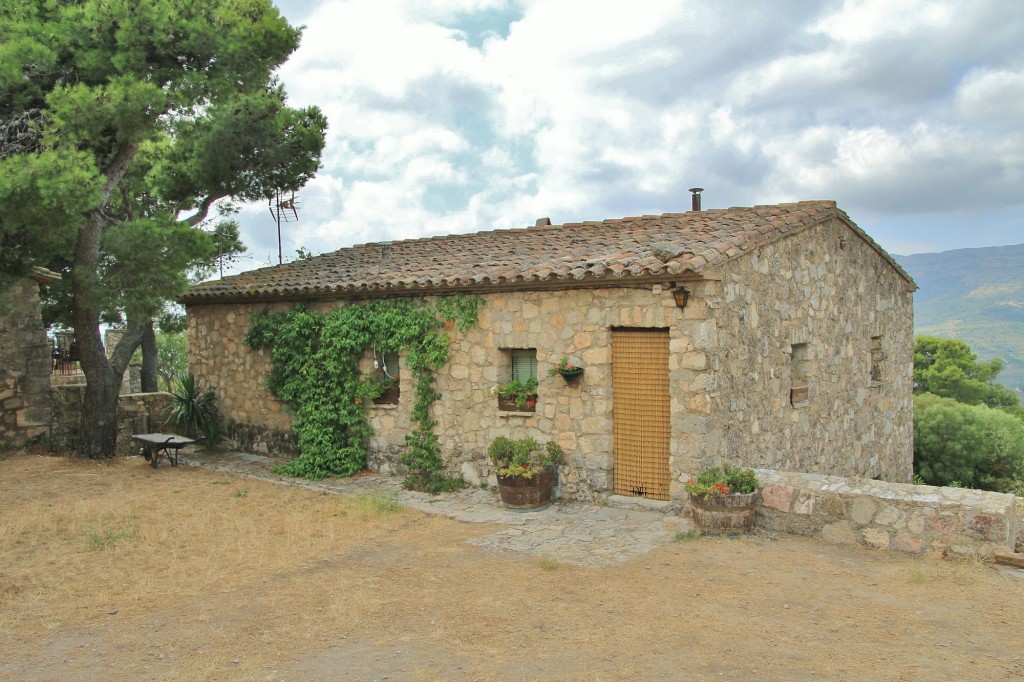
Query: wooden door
[{"x": 642, "y": 424}]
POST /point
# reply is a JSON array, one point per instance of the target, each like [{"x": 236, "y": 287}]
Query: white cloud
[
  {"x": 861, "y": 21},
  {"x": 574, "y": 112},
  {"x": 374, "y": 44},
  {"x": 993, "y": 97}
]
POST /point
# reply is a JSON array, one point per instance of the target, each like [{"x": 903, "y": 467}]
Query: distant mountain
[{"x": 977, "y": 296}]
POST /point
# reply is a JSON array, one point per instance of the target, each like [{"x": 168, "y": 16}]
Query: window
[
  {"x": 875, "y": 362},
  {"x": 519, "y": 394},
  {"x": 524, "y": 364},
  {"x": 799, "y": 371},
  {"x": 386, "y": 370}
]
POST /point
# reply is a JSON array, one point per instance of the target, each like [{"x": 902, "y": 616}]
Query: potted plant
[
  {"x": 518, "y": 396},
  {"x": 723, "y": 499},
  {"x": 525, "y": 471},
  {"x": 566, "y": 370}
]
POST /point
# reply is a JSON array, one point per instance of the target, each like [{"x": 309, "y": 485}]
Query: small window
[
  {"x": 875, "y": 361},
  {"x": 387, "y": 371},
  {"x": 519, "y": 394},
  {"x": 524, "y": 364},
  {"x": 799, "y": 393}
]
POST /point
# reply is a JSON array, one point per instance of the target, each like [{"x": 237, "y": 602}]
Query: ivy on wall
[{"x": 315, "y": 369}]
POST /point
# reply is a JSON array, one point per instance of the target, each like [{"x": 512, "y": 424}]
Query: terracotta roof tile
[{"x": 612, "y": 250}]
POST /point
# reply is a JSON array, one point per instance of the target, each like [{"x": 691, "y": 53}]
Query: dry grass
[
  {"x": 81, "y": 541},
  {"x": 117, "y": 571}
]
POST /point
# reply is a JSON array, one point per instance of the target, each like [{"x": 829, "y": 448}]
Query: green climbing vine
[{"x": 315, "y": 369}]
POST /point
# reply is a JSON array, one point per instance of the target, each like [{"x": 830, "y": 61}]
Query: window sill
[
  {"x": 384, "y": 406},
  {"x": 874, "y": 384},
  {"x": 515, "y": 413}
]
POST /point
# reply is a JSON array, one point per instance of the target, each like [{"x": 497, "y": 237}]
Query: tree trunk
[
  {"x": 149, "y": 357},
  {"x": 97, "y": 435}
]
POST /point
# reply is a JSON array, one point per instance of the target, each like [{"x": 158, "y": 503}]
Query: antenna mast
[{"x": 284, "y": 206}]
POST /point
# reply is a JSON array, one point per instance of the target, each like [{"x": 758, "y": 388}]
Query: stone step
[{"x": 636, "y": 502}]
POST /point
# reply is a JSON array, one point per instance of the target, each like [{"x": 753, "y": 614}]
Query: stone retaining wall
[{"x": 896, "y": 516}]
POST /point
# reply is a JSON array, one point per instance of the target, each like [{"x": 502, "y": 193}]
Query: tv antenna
[{"x": 284, "y": 206}]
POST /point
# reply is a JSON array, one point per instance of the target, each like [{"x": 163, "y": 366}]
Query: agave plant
[{"x": 193, "y": 411}]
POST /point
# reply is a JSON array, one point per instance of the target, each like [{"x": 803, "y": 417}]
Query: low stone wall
[
  {"x": 259, "y": 439},
  {"x": 140, "y": 413},
  {"x": 136, "y": 413},
  {"x": 896, "y": 516}
]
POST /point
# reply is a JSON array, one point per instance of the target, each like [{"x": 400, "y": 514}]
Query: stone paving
[{"x": 570, "y": 532}]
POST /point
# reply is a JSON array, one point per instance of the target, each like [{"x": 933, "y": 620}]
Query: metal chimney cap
[{"x": 695, "y": 199}]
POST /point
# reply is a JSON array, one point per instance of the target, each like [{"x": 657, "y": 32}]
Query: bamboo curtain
[{"x": 642, "y": 424}]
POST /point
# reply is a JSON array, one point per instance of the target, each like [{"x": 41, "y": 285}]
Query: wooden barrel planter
[
  {"x": 727, "y": 514},
  {"x": 526, "y": 493}
]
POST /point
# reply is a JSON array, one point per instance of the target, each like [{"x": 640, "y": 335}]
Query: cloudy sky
[{"x": 462, "y": 115}]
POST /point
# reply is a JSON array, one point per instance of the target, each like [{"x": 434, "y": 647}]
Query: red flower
[
  {"x": 692, "y": 482},
  {"x": 531, "y": 403}
]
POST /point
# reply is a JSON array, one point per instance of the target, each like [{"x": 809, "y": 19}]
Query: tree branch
[
  {"x": 124, "y": 349},
  {"x": 203, "y": 211},
  {"x": 18, "y": 134},
  {"x": 118, "y": 167},
  {"x": 126, "y": 198}
]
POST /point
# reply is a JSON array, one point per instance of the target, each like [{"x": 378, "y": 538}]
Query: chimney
[
  {"x": 695, "y": 203},
  {"x": 542, "y": 222}
]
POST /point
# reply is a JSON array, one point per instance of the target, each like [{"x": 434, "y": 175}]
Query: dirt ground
[{"x": 116, "y": 571}]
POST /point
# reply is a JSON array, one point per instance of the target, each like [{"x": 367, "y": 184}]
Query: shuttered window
[{"x": 524, "y": 364}]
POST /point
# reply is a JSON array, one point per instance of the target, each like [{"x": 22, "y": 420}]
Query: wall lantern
[{"x": 682, "y": 296}]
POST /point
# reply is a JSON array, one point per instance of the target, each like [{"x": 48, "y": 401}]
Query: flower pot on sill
[
  {"x": 509, "y": 405},
  {"x": 526, "y": 493},
  {"x": 388, "y": 397},
  {"x": 728, "y": 514},
  {"x": 571, "y": 375}
]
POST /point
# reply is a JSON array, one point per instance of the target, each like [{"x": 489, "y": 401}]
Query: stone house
[{"x": 778, "y": 337}]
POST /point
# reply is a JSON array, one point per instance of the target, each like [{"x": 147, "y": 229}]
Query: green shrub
[
  {"x": 972, "y": 445},
  {"x": 194, "y": 411}
]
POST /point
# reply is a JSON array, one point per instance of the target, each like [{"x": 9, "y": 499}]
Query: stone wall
[
  {"x": 730, "y": 370},
  {"x": 25, "y": 366},
  {"x": 576, "y": 324},
  {"x": 897, "y": 516},
  {"x": 830, "y": 290},
  {"x": 221, "y": 361},
  {"x": 136, "y": 413}
]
